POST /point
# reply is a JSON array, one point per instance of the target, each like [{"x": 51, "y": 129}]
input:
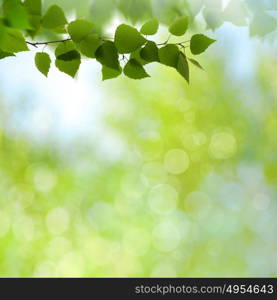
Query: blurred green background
[{"x": 145, "y": 178}]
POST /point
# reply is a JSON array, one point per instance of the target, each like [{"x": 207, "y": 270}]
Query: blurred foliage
[
  {"x": 260, "y": 14},
  {"x": 184, "y": 183},
  {"x": 192, "y": 191}
]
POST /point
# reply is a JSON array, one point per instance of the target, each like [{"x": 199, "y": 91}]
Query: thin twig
[{"x": 36, "y": 44}]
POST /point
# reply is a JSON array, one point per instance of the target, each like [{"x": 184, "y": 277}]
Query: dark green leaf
[
  {"x": 89, "y": 45},
  {"x": 135, "y": 70},
  {"x": 199, "y": 43},
  {"x": 69, "y": 67},
  {"x": 107, "y": 55},
  {"x": 108, "y": 73},
  {"x": 179, "y": 27},
  {"x": 150, "y": 52},
  {"x": 151, "y": 27},
  {"x": 128, "y": 39},
  {"x": 64, "y": 48},
  {"x": 43, "y": 62},
  {"x": 183, "y": 67},
  {"x": 4, "y": 54},
  {"x": 136, "y": 56},
  {"x": 54, "y": 17},
  {"x": 169, "y": 55},
  {"x": 196, "y": 63},
  {"x": 79, "y": 29},
  {"x": 68, "y": 56}
]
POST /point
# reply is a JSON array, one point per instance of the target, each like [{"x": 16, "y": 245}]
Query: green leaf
[
  {"x": 199, "y": 43},
  {"x": 128, "y": 39},
  {"x": 183, "y": 67},
  {"x": 64, "y": 47},
  {"x": 196, "y": 63},
  {"x": 135, "y": 70},
  {"x": 89, "y": 45},
  {"x": 108, "y": 73},
  {"x": 79, "y": 29},
  {"x": 69, "y": 67},
  {"x": 16, "y": 14},
  {"x": 213, "y": 17},
  {"x": 54, "y": 17},
  {"x": 150, "y": 28},
  {"x": 12, "y": 41},
  {"x": 107, "y": 55},
  {"x": 4, "y": 54},
  {"x": 33, "y": 6},
  {"x": 169, "y": 55},
  {"x": 68, "y": 56},
  {"x": 136, "y": 55},
  {"x": 150, "y": 52},
  {"x": 179, "y": 27},
  {"x": 43, "y": 62},
  {"x": 35, "y": 24},
  {"x": 262, "y": 24}
]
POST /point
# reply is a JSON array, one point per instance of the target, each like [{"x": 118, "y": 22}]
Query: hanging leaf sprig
[{"x": 128, "y": 52}]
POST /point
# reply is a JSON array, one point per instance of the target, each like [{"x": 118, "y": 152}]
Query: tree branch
[{"x": 36, "y": 44}]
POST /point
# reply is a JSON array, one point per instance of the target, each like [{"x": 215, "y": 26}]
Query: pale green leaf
[
  {"x": 179, "y": 27},
  {"x": 150, "y": 28},
  {"x": 43, "y": 62}
]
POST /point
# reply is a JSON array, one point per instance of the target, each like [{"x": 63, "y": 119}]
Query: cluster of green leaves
[{"x": 128, "y": 52}]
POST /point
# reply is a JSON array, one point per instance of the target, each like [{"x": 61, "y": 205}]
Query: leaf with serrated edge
[
  {"x": 196, "y": 63},
  {"x": 183, "y": 67},
  {"x": 199, "y": 43},
  {"x": 108, "y": 73},
  {"x": 135, "y": 70},
  {"x": 128, "y": 39}
]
